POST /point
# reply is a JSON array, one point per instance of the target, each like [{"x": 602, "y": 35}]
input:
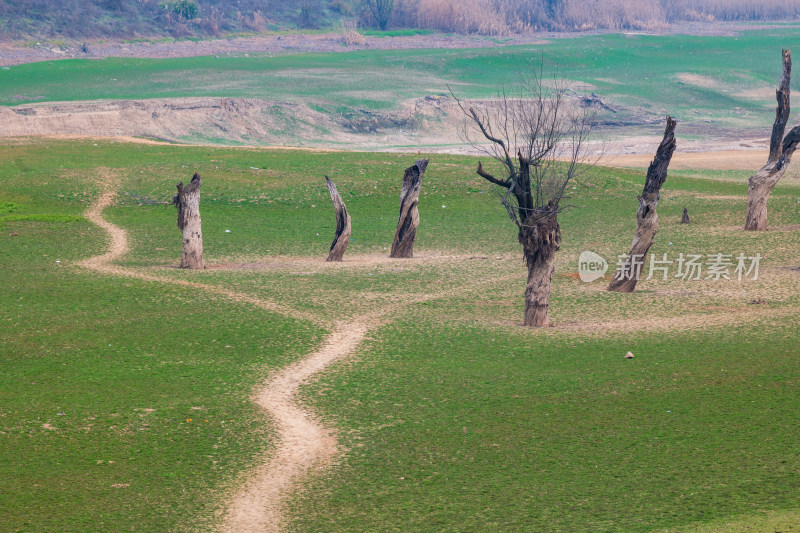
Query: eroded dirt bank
[
  {"x": 429, "y": 124},
  {"x": 230, "y": 121}
]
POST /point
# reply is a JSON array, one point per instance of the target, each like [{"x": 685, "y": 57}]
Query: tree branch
[
  {"x": 488, "y": 177},
  {"x": 790, "y": 143},
  {"x": 782, "y": 112},
  {"x": 495, "y": 140}
]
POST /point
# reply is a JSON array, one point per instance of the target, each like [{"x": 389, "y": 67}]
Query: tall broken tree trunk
[
  {"x": 342, "y": 238},
  {"x": 780, "y": 154},
  {"x": 188, "y": 203},
  {"x": 646, "y": 217},
  {"x": 540, "y": 236},
  {"x": 403, "y": 245}
]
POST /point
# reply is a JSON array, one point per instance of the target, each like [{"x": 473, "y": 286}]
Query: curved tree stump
[
  {"x": 646, "y": 217},
  {"x": 403, "y": 245},
  {"x": 188, "y": 203},
  {"x": 780, "y": 154},
  {"x": 342, "y": 238}
]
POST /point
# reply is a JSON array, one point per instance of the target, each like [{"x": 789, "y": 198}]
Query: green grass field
[
  {"x": 124, "y": 404},
  {"x": 729, "y": 81}
]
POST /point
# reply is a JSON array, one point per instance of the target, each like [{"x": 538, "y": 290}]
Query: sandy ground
[
  {"x": 233, "y": 121},
  {"x": 714, "y": 160},
  {"x": 255, "y": 123}
]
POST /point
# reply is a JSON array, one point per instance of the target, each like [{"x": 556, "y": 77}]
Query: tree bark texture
[
  {"x": 403, "y": 245},
  {"x": 188, "y": 203},
  {"x": 342, "y": 238},
  {"x": 540, "y": 236},
  {"x": 780, "y": 154},
  {"x": 646, "y": 217}
]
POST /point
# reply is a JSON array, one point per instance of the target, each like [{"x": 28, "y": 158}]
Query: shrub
[
  {"x": 343, "y": 7},
  {"x": 212, "y": 22},
  {"x": 350, "y": 37},
  {"x": 255, "y": 21},
  {"x": 467, "y": 16},
  {"x": 308, "y": 15},
  {"x": 185, "y": 9}
]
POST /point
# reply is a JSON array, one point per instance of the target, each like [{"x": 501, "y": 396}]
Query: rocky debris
[
  {"x": 593, "y": 101},
  {"x": 436, "y": 98}
]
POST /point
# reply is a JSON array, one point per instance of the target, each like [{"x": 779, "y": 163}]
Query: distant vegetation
[
  {"x": 503, "y": 16},
  {"x": 76, "y": 19}
]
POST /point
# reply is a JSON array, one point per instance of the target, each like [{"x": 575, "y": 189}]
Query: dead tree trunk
[
  {"x": 188, "y": 203},
  {"x": 646, "y": 217},
  {"x": 685, "y": 217},
  {"x": 540, "y": 237},
  {"x": 342, "y": 238},
  {"x": 780, "y": 154},
  {"x": 403, "y": 245}
]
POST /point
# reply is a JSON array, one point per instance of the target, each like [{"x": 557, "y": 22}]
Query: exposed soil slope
[{"x": 230, "y": 121}]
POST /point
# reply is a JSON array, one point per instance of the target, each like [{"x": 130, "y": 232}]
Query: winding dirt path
[
  {"x": 119, "y": 246},
  {"x": 303, "y": 442}
]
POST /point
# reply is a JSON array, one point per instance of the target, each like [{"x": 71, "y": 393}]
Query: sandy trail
[
  {"x": 303, "y": 441},
  {"x": 119, "y": 246}
]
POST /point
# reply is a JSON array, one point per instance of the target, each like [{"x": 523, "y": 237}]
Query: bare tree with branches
[
  {"x": 538, "y": 136},
  {"x": 382, "y": 11}
]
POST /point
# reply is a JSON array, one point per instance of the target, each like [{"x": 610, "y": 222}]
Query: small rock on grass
[{"x": 629, "y": 355}]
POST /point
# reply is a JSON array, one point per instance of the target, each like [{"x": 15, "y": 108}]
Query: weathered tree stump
[
  {"x": 342, "y": 238},
  {"x": 685, "y": 217},
  {"x": 646, "y": 217},
  {"x": 540, "y": 236},
  {"x": 780, "y": 154},
  {"x": 403, "y": 245},
  {"x": 188, "y": 203}
]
